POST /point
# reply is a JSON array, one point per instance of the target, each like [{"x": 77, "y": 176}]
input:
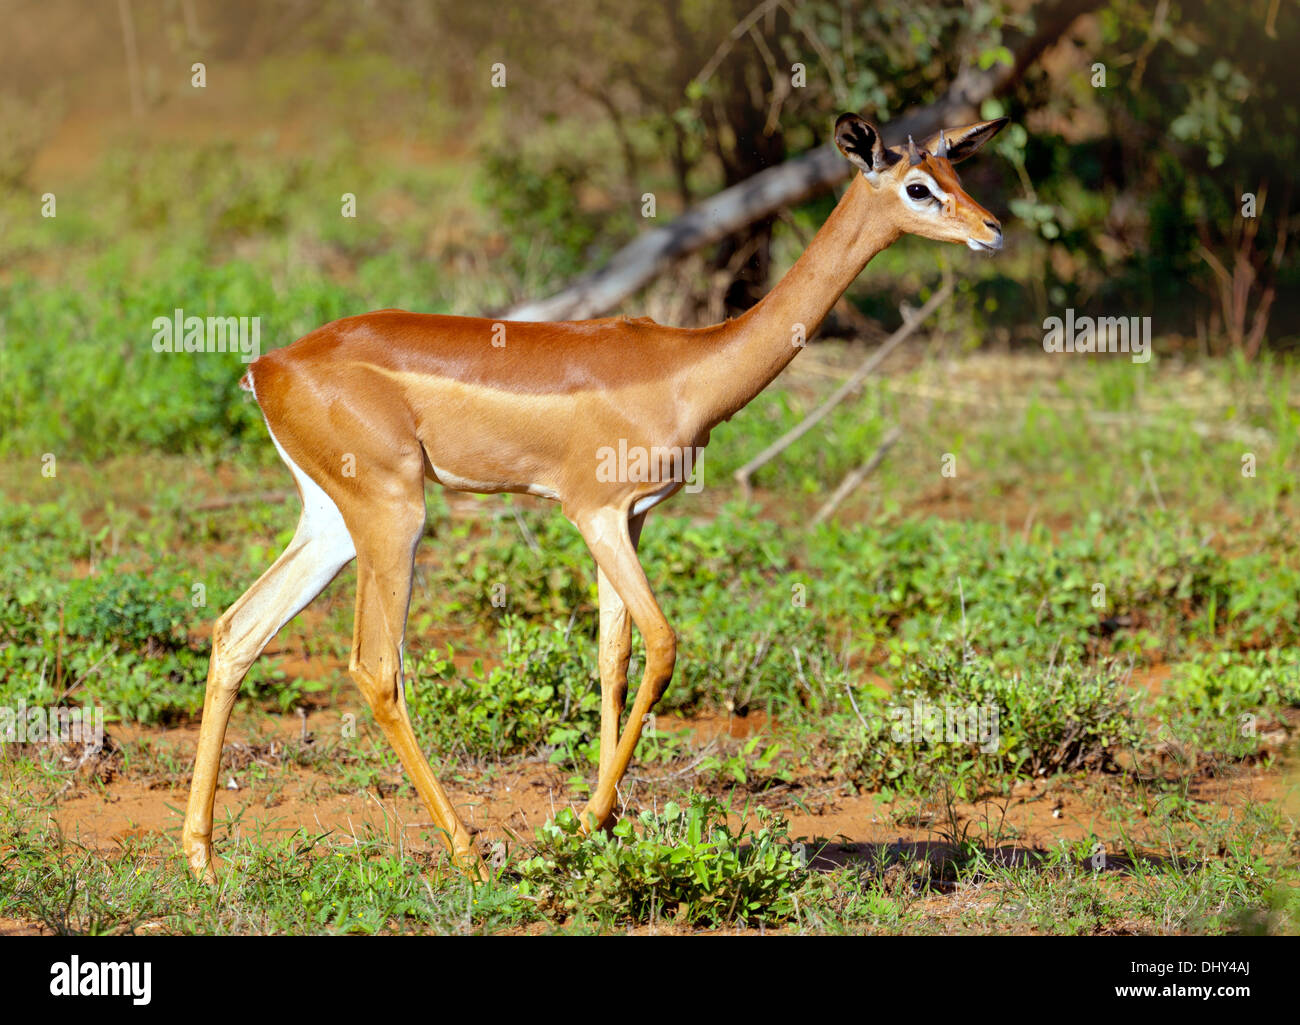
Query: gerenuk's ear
[
  {"x": 960, "y": 143},
  {"x": 859, "y": 141}
]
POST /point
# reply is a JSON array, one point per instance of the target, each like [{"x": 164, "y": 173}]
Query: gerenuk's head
[{"x": 918, "y": 185}]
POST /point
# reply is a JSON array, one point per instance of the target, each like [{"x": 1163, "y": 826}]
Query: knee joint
[
  {"x": 224, "y": 667},
  {"x": 661, "y": 656},
  {"x": 380, "y": 693},
  {"x": 661, "y": 650}
]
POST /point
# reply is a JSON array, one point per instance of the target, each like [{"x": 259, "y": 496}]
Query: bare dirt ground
[{"x": 506, "y": 802}]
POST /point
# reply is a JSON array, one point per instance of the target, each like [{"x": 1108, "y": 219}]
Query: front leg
[
  {"x": 608, "y": 535},
  {"x": 615, "y": 653}
]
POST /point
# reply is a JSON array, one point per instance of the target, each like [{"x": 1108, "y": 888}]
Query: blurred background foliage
[{"x": 1120, "y": 182}]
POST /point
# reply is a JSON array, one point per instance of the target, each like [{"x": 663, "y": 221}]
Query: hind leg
[
  {"x": 385, "y": 561},
  {"x": 321, "y": 546}
]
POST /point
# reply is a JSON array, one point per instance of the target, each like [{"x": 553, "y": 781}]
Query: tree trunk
[{"x": 745, "y": 255}]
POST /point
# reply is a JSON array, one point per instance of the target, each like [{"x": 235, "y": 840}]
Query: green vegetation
[
  {"x": 832, "y": 633},
  {"x": 1005, "y": 727},
  {"x": 683, "y": 863},
  {"x": 545, "y": 692}
]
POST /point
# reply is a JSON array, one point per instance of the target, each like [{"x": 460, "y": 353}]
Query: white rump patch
[{"x": 322, "y": 526}]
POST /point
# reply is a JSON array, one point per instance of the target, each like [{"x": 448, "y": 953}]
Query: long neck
[{"x": 755, "y": 347}]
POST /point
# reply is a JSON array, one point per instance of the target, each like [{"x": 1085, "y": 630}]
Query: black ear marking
[
  {"x": 859, "y": 141},
  {"x": 855, "y": 137}
]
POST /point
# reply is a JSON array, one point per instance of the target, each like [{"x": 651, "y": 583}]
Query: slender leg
[
  {"x": 607, "y": 534},
  {"x": 385, "y": 560},
  {"x": 320, "y": 547},
  {"x": 615, "y": 653}
]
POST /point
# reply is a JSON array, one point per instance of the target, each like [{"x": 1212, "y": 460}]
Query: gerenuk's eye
[{"x": 918, "y": 192}]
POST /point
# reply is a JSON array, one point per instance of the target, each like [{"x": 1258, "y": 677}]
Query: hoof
[
  {"x": 592, "y": 821},
  {"x": 198, "y": 856},
  {"x": 469, "y": 861}
]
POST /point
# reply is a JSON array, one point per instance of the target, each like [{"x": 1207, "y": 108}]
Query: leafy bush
[
  {"x": 1218, "y": 704},
  {"x": 687, "y": 862},
  {"x": 118, "y": 637},
  {"x": 1066, "y": 718},
  {"x": 1226, "y": 683},
  {"x": 545, "y": 693}
]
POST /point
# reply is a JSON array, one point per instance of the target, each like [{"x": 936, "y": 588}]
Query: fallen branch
[
  {"x": 841, "y": 393},
  {"x": 854, "y": 478}
]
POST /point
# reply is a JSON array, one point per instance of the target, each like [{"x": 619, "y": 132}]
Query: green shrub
[
  {"x": 545, "y": 693},
  {"x": 1065, "y": 718},
  {"x": 687, "y": 862}
]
